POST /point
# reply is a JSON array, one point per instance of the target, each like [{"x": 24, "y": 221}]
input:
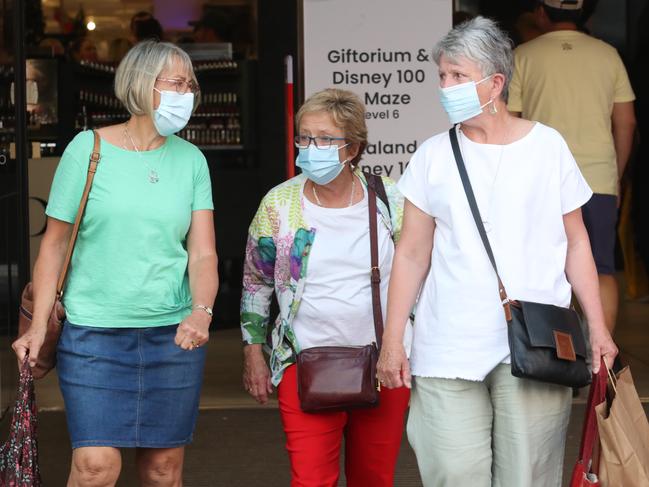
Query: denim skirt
[{"x": 128, "y": 387}]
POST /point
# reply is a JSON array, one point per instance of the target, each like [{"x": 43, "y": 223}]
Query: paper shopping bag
[{"x": 624, "y": 436}]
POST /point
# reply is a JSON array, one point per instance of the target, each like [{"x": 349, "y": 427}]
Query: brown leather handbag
[
  {"x": 47, "y": 354},
  {"x": 333, "y": 378}
]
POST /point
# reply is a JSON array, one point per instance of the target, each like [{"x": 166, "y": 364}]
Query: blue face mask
[
  {"x": 173, "y": 113},
  {"x": 461, "y": 102},
  {"x": 320, "y": 165}
]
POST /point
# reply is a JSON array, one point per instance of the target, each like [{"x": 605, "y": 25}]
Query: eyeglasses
[
  {"x": 181, "y": 86},
  {"x": 321, "y": 142}
]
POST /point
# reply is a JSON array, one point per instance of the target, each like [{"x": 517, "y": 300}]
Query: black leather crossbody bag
[{"x": 546, "y": 342}]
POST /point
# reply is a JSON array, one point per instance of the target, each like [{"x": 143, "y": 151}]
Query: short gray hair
[
  {"x": 479, "y": 40},
  {"x": 136, "y": 74}
]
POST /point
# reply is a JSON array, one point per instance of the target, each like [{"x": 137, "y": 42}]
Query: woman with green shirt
[{"x": 142, "y": 281}]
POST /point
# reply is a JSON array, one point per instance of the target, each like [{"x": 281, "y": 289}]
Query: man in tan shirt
[{"x": 578, "y": 85}]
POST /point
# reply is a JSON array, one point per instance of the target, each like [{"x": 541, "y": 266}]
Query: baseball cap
[{"x": 564, "y": 4}]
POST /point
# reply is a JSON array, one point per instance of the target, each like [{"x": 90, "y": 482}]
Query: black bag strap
[
  {"x": 468, "y": 190},
  {"x": 375, "y": 271}
]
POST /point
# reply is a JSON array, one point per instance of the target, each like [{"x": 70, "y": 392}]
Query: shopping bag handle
[
  {"x": 611, "y": 377},
  {"x": 596, "y": 396}
]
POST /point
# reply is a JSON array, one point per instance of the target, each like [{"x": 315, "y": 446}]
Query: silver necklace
[
  {"x": 351, "y": 196},
  {"x": 153, "y": 174},
  {"x": 485, "y": 217}
]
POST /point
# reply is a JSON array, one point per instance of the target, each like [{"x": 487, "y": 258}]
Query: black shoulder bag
[{"x": 546, "y": 342}]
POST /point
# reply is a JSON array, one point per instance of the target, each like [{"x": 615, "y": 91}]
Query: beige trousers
[{"x": 500, "y": 432}]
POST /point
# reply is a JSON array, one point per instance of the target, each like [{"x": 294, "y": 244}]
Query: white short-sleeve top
[{"x": 523, "y": 189}]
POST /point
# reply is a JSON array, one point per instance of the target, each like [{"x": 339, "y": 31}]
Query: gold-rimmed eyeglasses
[{"x": 180, "y": 85}]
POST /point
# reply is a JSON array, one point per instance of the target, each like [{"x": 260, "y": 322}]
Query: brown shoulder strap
[
  {"x": 95, "y": 156},
  {"x": 375, "y": 271}
]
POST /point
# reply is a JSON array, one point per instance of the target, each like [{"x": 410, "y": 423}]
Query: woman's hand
[
  {"x": 31, "y": 342},
  {"x": 256, "y": 375},
  {"x": 193, "y": 331},
  {"x": 393, "y": 368},
  {"x": 602, "y": 346}
]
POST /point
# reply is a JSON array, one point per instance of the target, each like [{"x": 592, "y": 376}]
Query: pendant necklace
[
  {"x": 351, "y": 196},
  {"x": 485, "y": 216},
  {"x": 153, "y": 174}
]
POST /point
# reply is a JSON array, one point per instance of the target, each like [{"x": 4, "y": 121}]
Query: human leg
[
  {"x": 373, "y": 439},
  {"x": 95, "y": 466},
  {"x": 449, "y": 427},
  {"x": 313, "y": 440},
  {"x": 529, "y": 431},
  {"x": 160, "y": 467}
]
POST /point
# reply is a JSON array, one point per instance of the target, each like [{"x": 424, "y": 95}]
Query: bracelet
[{"x": 207, "y": 309}]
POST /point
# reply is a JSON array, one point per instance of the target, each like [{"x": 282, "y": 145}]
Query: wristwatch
[{"x": 207, "y": 309}]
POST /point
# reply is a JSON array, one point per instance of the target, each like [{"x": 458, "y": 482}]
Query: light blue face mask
[
  {"x": 320, "y": 165},
  {"x": 461, "y": 102},
  {"x": 173, "y": 113}
]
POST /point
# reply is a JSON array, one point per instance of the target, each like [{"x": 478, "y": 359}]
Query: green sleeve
[{"x": 70, "y": 179}]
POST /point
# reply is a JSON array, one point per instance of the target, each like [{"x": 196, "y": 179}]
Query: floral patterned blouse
[{"x": 277, "y": 253}]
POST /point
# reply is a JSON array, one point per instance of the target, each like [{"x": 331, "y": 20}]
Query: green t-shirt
[{"x": 129, "y": 267}]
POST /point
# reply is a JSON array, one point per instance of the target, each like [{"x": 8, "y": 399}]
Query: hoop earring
[{"x": 493, "y": 109}]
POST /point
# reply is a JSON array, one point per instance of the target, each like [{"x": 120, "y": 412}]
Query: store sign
[{"x": 382, "y": 51}]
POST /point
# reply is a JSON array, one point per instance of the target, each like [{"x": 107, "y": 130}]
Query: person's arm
[
  {"x": 202, "y": 268},
  {"x": 623, "y": 126},
  {"x": 582, "y": 275},
  {"x": 409, "y": 268},
  {"x": 47, "y": 270},
  {"x": 258, "y": 287}
]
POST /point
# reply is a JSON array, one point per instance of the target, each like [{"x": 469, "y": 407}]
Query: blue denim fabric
[{"x": 128, "y": 387}]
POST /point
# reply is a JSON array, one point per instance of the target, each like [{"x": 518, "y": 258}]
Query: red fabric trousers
[{"x": 313, "y": 440}]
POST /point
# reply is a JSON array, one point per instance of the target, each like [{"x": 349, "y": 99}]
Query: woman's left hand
[
  {"x": 602, "y": 345},
  {"x": 193, "y": 331}
]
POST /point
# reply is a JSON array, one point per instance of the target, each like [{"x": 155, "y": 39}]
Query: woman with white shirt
[
  {"x": 471, "y": 421},
  {"x": 320, "y": 218}
]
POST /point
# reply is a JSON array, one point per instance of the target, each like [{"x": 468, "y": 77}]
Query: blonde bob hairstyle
[
  {"x": 347, "y": 111},
  {"x": 137, "y": 73}
]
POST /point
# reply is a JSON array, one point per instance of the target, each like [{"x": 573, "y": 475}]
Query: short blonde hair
[
  {"x": 137, "y": 73},
  {"x": 347, "y": 111}
]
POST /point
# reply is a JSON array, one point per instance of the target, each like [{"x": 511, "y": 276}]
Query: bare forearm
[
  {"x": 623, "y": 138},
  {"x": 204, "y": 279},
  {"x": 623, "y": 124},
  {"x": 582, "y": 275},
  {"x": 406, "y": 278},
  {"x": 47, "y": 270}
]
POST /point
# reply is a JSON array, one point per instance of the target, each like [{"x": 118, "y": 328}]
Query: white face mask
[
  {"x": 461, "y": 102},
  {"x": 174, "y": 111}
]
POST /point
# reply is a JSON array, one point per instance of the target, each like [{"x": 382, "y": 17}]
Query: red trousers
[{"x": 313, "y": 440}]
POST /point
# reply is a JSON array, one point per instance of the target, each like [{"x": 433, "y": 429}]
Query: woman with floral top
[{"x": 320, "y": 218}]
